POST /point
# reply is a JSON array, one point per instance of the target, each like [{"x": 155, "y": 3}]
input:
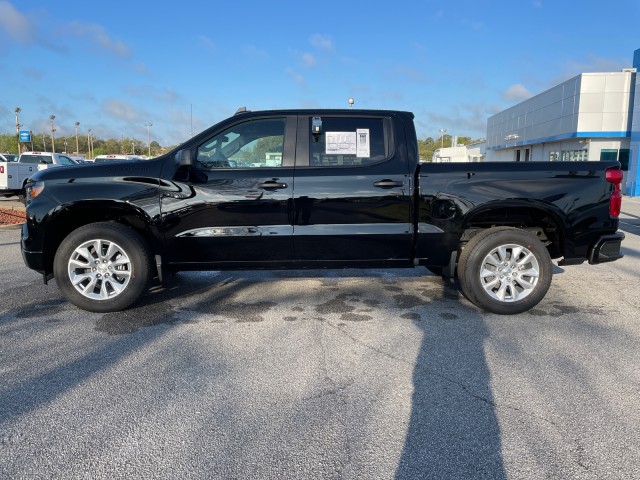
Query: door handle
[
  {"x": 386, "y": 183},
  {"x": 272, "y": 185}
]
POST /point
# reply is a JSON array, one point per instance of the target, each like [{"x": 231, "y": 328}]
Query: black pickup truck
[{"x": 318, "y": 189}]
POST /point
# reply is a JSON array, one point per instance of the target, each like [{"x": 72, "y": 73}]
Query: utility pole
[
  {"x": 149, "y": 125},
  {"x": 77, "y": 147},
  {"x": 442, "y": 132},
  {"x": 17, "y": 111},
  {"x": 53, "y": 142}
]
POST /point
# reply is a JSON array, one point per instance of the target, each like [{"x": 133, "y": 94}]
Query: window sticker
[
  {"x": 363, "y": 149},
  {"x": 349, "y": 143},
  {"x": 341, "y": 143}
]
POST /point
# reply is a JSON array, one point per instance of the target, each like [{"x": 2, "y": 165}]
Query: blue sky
[{"x": 115, "y": 66}]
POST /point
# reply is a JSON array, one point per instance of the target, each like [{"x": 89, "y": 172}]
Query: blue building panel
[{"x": 633, "y": 183}]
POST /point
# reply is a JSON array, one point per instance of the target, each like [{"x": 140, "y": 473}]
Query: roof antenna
[{"x": 240, "y": 110}]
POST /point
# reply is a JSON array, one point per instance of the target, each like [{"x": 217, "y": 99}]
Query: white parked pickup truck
[{"x": 14, "y": 175}]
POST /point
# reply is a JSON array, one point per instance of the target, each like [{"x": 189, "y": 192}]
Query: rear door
[
  {"x": 237, "y": 206},
  {"x": 353, "y": 190}
]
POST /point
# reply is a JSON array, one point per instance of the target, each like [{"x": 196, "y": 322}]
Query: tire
[
  {"x": 103, "y": 267},
  {"x": 505, "y": 270}
]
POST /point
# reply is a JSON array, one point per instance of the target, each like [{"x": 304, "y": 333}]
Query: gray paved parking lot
[{"x": 323, "y": 374}]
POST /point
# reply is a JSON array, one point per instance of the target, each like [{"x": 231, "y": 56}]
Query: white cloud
[
  {"x": 308, "y": 60},
  {"x": 99, "y": 36},
  {"x": 122, "y": 110},
  {"x": 516, "y": 93},
  {"x": 410, "y": 74},
  {"x": 254, "y": 53},
  {"x": 472, "y": 24},
  {"x": 299, "y": 79},
  {"x": 207, "y": 43},
  {"x": 14, "y": 23},
  {"x": 323, "y": 43}
]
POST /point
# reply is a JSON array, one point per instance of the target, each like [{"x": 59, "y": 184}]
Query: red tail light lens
[
  {"x": 614, "y": 175},
  {"x": 1, "y": 168},
  {"x": 615, "y": 204}
]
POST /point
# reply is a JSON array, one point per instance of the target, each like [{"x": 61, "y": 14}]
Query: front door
[{"x": 235, "y": 207}]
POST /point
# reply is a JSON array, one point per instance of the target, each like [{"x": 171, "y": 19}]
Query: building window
[
  {"x": 573, "y": 155},
  {"x": 623, "y": 158},
  {"x": 608, "y": 155},
  {"x": 554, "y": 156}
]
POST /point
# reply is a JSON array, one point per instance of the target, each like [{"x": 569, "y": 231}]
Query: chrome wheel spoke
[
  {"x": 99, "y": 269},
  {"x": 509, "y": 272}
]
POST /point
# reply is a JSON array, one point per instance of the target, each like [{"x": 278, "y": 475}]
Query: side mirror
[{"x": 184, "y": 157}]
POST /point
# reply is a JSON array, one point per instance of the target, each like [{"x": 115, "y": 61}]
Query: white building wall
[
  {"x": 589, "y": 112},
  {"x": 604, "y": 103}
]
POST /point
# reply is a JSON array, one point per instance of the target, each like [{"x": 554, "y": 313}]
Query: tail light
[
  {"x": 1, "y": 168},
  {"x": 614, "y": 175}
]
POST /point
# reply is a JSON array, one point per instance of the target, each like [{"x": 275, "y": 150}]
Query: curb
[{"x": 12, "y": 226}]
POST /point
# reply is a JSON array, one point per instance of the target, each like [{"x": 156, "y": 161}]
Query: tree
[
  {"x": 266, "y": 145},
  {"x": 8, "y": 143}
]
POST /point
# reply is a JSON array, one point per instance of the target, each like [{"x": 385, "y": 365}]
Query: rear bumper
[{"x": 606, "y": 249}]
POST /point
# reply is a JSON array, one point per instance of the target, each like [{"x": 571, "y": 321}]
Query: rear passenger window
[{"x": 349, "y": 141}]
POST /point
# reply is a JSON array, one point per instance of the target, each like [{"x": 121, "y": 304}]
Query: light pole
[
  {"x": 77, "y": 147},
  {"x": 17, "y": 111},
  {"x": 53, "y": 141},
  {"x": 442, "y": 132},
  {"x": 149, "y": 125},
  {"x": 89, "y": 142},
  {"x": 133, "y": 148}
]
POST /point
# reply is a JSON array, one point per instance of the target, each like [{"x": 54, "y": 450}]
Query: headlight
[{"x": 33, "y": 190}]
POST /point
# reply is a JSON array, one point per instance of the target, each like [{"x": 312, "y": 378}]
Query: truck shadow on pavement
[{"x": 453, "y": 431}]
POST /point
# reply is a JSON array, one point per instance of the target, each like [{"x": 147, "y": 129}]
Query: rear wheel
[
  {"x": 103, "y": 267},
  {"x": 505, "y": 270}
]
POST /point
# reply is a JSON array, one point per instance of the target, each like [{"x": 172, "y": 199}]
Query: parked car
[
  {"x": 325, "y": 189},
  {"x": 112, "y": 158},
  {"x": 14, "y": 175}
]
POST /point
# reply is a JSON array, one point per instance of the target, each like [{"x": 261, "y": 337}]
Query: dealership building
[{"x": 593, "y": 116}]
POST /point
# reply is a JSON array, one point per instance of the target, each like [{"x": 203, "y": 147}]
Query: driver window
[{"x": 252, "y": 144}]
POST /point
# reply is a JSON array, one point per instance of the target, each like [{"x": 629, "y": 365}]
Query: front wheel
[
  {"x": 103, "y": 267},
  {"x": 505, "y": 270}
]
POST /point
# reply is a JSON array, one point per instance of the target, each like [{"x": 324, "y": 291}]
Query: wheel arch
[
  {"x": 524, "y": 214},
  {"x": 67, "y": 218}
]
